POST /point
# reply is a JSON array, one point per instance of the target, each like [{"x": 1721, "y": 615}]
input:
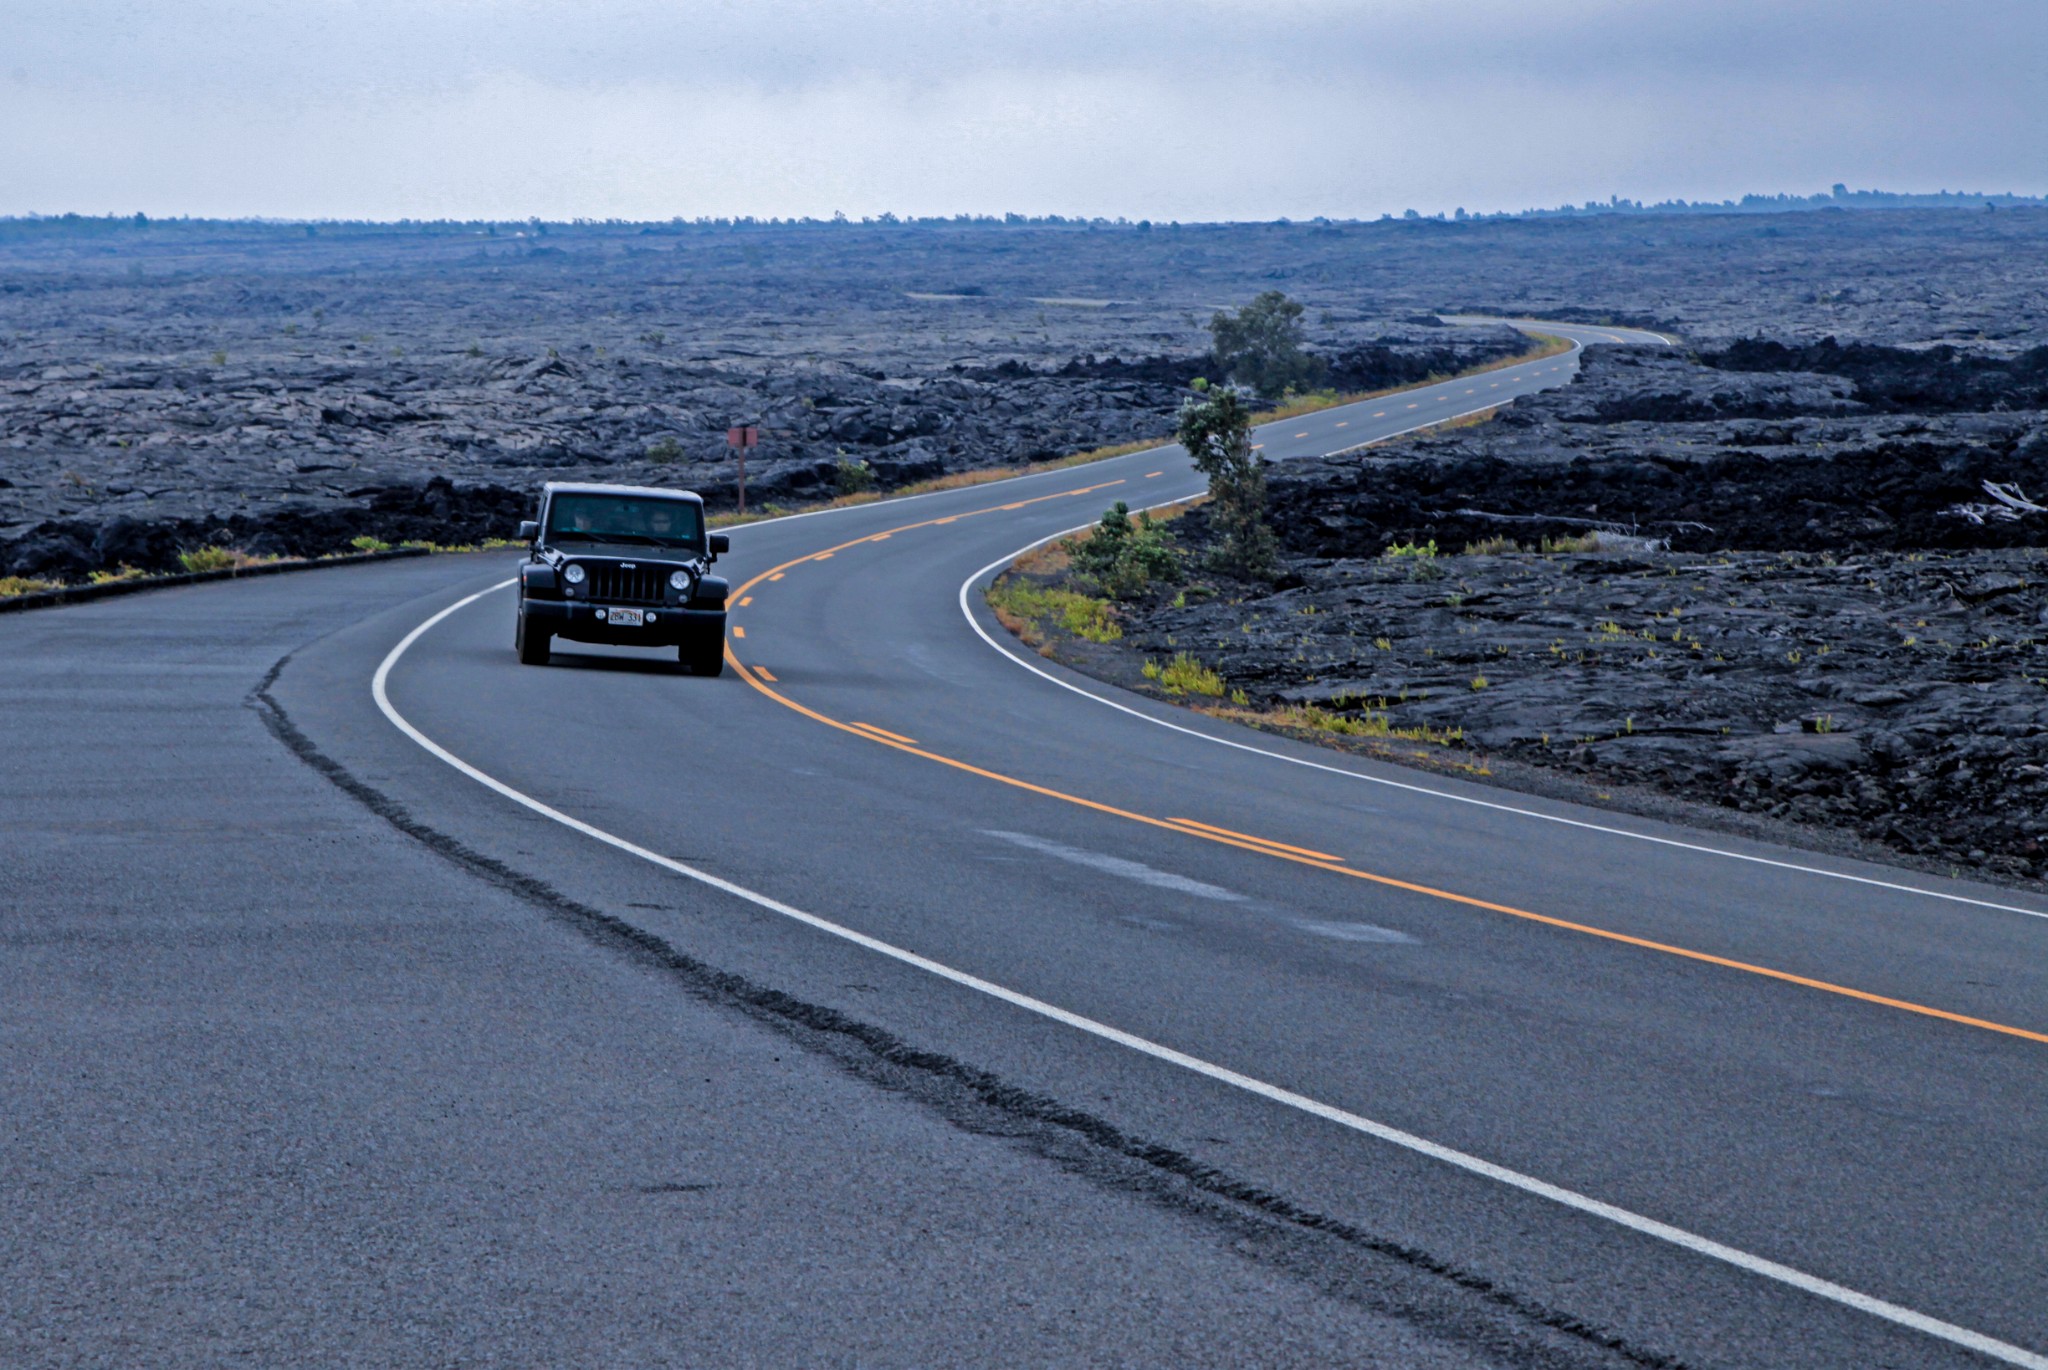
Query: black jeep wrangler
[{"x": 624, "y": 564}]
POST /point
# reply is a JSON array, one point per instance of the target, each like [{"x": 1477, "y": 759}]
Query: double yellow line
[{"x": 762, "y": 681}]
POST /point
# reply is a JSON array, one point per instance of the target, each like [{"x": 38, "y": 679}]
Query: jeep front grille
[{"x": 622, "y": 585}]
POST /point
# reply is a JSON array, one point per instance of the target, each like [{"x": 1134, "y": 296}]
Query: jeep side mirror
[
  {"x": 720, "y": 542},
  {"x": 529, "y": 531}
]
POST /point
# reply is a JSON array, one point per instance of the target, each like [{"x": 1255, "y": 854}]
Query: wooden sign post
[{"x": 739, "y": 439}]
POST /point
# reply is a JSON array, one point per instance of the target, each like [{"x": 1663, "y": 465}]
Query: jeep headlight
[
  {"x": 574, "y": 574},
  {"x": 679, "y": 580}
]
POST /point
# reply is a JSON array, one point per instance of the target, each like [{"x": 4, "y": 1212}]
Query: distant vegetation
[{"x": 1839, "y": 197}]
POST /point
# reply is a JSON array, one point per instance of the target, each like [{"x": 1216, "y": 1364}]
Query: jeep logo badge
[{"x": 629, "y": 566}]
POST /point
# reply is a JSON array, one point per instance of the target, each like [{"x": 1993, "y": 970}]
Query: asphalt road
[{"x": 901, "y": 998}]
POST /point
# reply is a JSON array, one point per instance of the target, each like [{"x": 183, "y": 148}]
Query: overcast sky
[{"x": 1162, "y": 109}]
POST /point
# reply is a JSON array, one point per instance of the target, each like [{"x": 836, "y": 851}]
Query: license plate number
[{"x": 631, "y": 618}]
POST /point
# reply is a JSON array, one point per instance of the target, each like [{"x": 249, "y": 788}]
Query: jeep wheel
[
  {"x": 532, "y": 643},
  {"x": 705, "y": 658}
]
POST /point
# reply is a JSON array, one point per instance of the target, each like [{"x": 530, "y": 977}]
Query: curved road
[{"x": 1228, "y": 1048}]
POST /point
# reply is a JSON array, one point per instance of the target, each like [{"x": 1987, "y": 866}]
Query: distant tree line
[{"x": 1840, "y": 197}]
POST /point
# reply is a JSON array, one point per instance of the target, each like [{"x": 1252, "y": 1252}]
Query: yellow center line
[
  {"x": 1207, "y": 828},
  {"x": 746, "y": 600},
  {"x": 779, "y": 571},
  {"x": 1383, "y": 413},
  {"x": 1154, "y": 475},
  {"x": 738, "y": 631},
  {"x": 1344, "y": 423},
  {"x": 1301, "y": 856},
  {"x": 1301, "y": 435},
  {"x": 884, "y": 732},
  {"x": 764, "y": 673}
]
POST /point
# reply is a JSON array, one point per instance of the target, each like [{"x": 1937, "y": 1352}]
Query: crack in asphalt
[{"x": 1406, "y": 1283}]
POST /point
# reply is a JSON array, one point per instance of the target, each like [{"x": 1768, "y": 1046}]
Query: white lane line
[
  {"x": 1408, "y": 1141},
  {"x": 1000, "y": 562},
  {"x": 1118, "y": 866}
]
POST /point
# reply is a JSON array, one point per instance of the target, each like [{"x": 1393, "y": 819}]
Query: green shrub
[
  {"x": 366, "y": 543},
  {"x": 1420, "y": 551},
  {"x": 666, "y": 450},
  {"x": 854, "y": 476},
  {"x": 1123, "y": 556}
]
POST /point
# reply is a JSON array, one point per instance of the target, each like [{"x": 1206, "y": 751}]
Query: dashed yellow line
[{"x": 884, "y": 732}]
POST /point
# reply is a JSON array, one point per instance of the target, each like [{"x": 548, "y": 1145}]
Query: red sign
[{"x": 747, "y": 436}]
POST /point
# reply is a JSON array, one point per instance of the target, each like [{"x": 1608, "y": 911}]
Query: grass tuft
[
  {"x": 1492, "y": 547},
  {"x": 1184, "y": 675},
  {"x": 1027, "y": 609},
  {"x": 208, "y": 559}
]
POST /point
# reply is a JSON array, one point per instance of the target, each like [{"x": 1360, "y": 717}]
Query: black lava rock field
[
  {"x": 278, "y": 386},
  {"x": 1783, "y": 593}
]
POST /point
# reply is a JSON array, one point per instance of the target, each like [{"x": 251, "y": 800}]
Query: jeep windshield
[{"x": 635, "y": 520}]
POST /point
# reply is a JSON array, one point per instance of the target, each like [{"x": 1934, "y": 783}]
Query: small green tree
[
  {"x": 1260, "y": 346},
  {"x": 1216, "y": 429}
]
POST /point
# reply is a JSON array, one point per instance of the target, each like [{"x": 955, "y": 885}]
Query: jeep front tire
[
  {"x": 705, "y": 656},
  {"x": 533, "y": 644}
]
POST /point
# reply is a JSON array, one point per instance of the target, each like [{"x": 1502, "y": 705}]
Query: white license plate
[{"x": 632, "y": 618}]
